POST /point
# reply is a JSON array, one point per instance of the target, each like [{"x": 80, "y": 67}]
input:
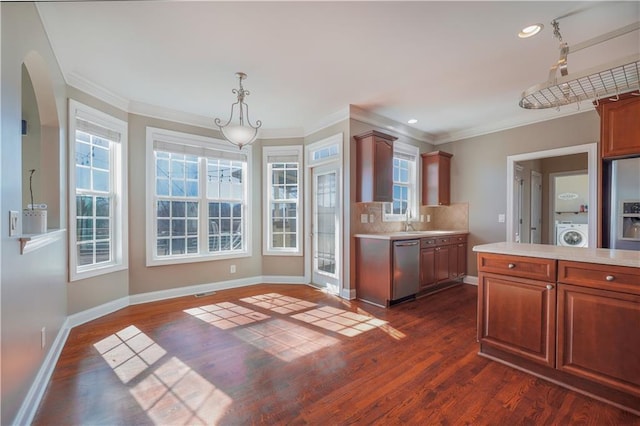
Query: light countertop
[
  {"x": 629, "y": 258},
  {"x": 409, "y": 235}
]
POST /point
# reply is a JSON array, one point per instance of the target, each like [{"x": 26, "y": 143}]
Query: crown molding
[
  {"x": 374, "y": 119},
  {"x": 331, "y": 119},
  {"x": 89, "y": 87},
  {"x": 505, "y": 125}
]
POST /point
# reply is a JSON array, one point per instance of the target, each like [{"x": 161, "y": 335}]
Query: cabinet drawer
[
  {"x": 459, "y": 239},
  {"x": 441, "y": 241},
  {"x": 517, "y": 266},
  {"x": 428, "y": 242},
  {"x": 616, "y": 278}
]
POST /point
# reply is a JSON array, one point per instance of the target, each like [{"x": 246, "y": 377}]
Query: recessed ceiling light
[
  {"x": 412, "y": 121},
  {"x": 530, "y": 31}
]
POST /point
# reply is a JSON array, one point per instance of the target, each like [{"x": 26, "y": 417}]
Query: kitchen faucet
[{"x": 408, "y": 225}]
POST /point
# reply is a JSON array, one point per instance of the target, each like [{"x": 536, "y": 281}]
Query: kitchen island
[
  {"x": 398, "y": 266},
  {"x": 569, "y": 315}
]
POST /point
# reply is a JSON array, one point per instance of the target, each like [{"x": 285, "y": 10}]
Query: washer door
[{"x": 572, "y": 238}]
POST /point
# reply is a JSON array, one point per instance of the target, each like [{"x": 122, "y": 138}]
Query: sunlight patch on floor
[
  {"x": 278, "y": 303},
  {"x": 172, "y": 393},
  {"x": 129, "y": 352},
  {"x": 226, "y": 315},
  {"x": 344, "y": 322},
  {"x": 284, "y": 339},
  {"x": 175, "y": 394}
]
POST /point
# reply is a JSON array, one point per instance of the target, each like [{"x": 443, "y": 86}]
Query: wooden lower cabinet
[
  {"x": 442, "y": 260},
  {"x": 599, "y": 336},
  {"x": 576, "y": 323},
  {"x": 517, "y": 315}
]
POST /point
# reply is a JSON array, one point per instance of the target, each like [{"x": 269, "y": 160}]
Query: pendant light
[{"x": 242, "y": 132}]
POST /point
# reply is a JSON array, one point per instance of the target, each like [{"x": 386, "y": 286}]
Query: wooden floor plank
[{"x": 282, "y": 354}]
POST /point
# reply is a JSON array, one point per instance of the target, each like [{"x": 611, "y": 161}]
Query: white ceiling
[{"x": 457, "y": 67}]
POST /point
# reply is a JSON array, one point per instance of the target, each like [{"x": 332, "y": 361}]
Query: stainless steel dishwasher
[{"x": 406, "y": 268}]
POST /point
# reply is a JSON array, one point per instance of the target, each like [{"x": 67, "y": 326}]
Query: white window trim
[
  {"x": 157, "y": 134},
  {"x": 413, "y": 151},
  {"x": 120, "y": 223},
  {"x": 268, "y": 151}
]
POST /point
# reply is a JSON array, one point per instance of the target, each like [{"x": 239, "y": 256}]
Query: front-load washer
[{"x": 572, "y": 234}]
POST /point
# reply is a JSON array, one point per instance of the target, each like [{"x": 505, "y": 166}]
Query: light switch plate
[
  {"x": 13, "y": 223},
  {"x": 372, "y": 218},
  {"x": 364, "y": 218},
  {"x": 501, "y": 218}
]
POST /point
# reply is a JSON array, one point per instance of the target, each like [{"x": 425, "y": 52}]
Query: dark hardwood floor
[{"x": 286, "y": 354}]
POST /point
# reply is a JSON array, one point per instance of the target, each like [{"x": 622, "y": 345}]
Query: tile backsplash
[{"x": 452, "y": 217}]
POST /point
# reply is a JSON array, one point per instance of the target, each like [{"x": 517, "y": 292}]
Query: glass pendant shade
[{"x": 239, "y": 135}]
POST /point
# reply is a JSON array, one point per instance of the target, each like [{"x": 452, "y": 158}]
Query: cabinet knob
[
  {"x": 511, "y": 265},
  {"x": 549, "y": 287},
  {"x": 609, "y": 278}
]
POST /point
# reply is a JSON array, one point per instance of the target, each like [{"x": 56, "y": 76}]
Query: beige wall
[
  {"x": 33, "y": 285},
  {"x": 479, "y": 169}
]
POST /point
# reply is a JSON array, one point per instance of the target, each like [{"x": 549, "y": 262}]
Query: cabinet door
[
  {"x": 599, "y": 336},
  {"x": 517, "y": 315},
  {"x": 442, "y": 263},
  {"x": 374, "y": 167},
  {"x": 427, "y": 267},
  {"x": 620, "y": 127},
  {"x": 383, "y": 172},
  {"x": 436, "y": 177}
]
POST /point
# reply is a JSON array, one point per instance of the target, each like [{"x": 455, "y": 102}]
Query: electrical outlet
[
  {"x": 232, "y": 269},
  {"x": 13, "y": 223},
  {"x": 421, "y": 218},
  {"x": 372, "y": 218},
  {"x": 43, "y": 337},
  {"x": 364, "y": 218},
  {"x": 428, "y": 218}
]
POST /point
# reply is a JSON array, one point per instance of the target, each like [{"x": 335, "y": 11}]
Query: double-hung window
[
  {"x": 405, "y": 184},
  {"x": 282, "y": 207},
  {"x": 98, "y": 184},
  {"x": 197, "y": 198}
]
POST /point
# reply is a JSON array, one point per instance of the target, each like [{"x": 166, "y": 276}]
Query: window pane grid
[
  {"x": 92, "y": 163},
  {"x": 401, "y": 186},
  {"x": 94, "y": 230},
  {"x": 94, "y": 200},
  {"x": 199, "y": 198},
  {"x": 177, "y": 175},
  {"x": 177, "y": 227},
  {"x": 283, "y": 209}
]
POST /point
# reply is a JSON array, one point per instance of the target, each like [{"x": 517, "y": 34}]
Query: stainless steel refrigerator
[{"x": 624, "y": 204}]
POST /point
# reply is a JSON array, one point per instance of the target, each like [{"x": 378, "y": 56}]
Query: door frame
[
  {"x": 592, "y": 171},
  {"x": 532, "y": 207},
  {"x": 343, "y": 268}
]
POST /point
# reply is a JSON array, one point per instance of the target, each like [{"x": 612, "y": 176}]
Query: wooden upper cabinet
[
  {"x": 436, "y": 178},
  {"x": 620, "y": 126},
  {"x": 374, "y": 167}
]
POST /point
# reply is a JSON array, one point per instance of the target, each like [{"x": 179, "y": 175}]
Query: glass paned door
[{"x": 326, "y": 227}]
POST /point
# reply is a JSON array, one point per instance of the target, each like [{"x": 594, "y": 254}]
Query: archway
[{"x": 41, "y": 143}]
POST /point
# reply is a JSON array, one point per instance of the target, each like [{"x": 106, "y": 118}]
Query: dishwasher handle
[{"x": 406, "y": 243}]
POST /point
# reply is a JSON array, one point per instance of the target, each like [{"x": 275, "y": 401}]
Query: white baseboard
[
  {"x": 284, "y": 279},
  {"x": 32, "y": 401},
  {"x": 470, "y": 280},
  {"x": 96, "y": 312},
  {"x": 137, "y": 299}
]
